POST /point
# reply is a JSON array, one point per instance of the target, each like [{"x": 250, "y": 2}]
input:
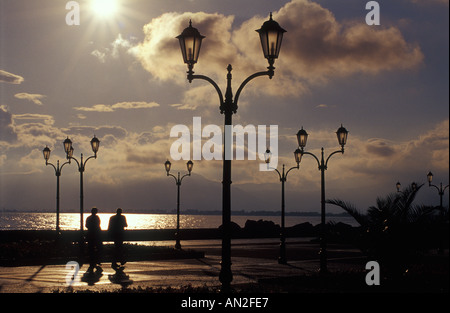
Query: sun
[{"x": 104, "y": 8}]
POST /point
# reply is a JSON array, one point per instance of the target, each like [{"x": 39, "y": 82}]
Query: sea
[{"x": 71, "y": 221}]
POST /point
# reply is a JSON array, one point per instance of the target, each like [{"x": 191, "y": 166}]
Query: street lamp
[
  {"x": 441, "y": 191},
  {"x": 413, "y": 186},
  {"x": 283, "y": 176},
  {"x": 46, "y": 151},
  {"x": 271, "y": 35},
  {"x": 95, "y": 144},
  {"x": 178, "y": 180},
  {"x": 302, "y": 137}
]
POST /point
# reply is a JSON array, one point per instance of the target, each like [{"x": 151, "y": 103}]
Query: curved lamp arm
[
  {"x": 243, "y": 84},
  {"x": 60, "y": 168},
  {"x": 440, "y": 190},
  {"x": 219, "y": 92},
  {"x": 81, "y": 165},
  {"x": 91, "y": 157},
  {"x": 54, "y": 167},
  {"x": 189, "y": 174},
  {"x": 72, "y": 158},
  {"x": 246, "y": 81},
  {"x": 284, "y": 175},
  {"x": 432, "y": 185},
  {"x": 338, "y": 151},
  {"x": 57, "y": 168},
  {"x": 272, "y": 168},
  {"x": 296, "y": 167},
  {"x": 174, "y": 177},
  {"x": 318, "y": 162}
]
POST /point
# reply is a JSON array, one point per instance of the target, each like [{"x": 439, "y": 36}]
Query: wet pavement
[
  {"x": 195, "y": 283},
  {"x": 252, "y": 262}
]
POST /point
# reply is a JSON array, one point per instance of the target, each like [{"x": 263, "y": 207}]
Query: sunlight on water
[
  {"x": 135, "y": 221},
  {"x": 71, "y": 221},
  {"x": 154, "y": 221}
]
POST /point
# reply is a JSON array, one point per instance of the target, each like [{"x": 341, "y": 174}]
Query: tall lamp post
[
  {"x": 178, "y": 180},
  {"x": 302, "y": 137},
  {"x": 441, "y": 191},
  {"x": 283, "y": 177},
  {"x": 271, "y": 35},
  {"x": 46, "y": 151},
  {"x": 95, "y": 144}
]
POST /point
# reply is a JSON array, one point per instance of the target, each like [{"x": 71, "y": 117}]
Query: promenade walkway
[{"x": 254, "y": 261}]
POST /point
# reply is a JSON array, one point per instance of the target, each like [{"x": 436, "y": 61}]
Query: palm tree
[{"x": 394, "y": 231}]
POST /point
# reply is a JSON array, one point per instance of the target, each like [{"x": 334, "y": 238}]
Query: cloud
[
  {"x": 33, "y": 97},
  {"x": 119, "y": 46},
  {"x": 160, "y": 54},
  {"x": 315, "y": 49},
  {"x": 384, "y": 158},
  {"x": 101, "y": 56},
  {"x": 22, "y": 132},
  {"x": 180, "y": 106},
  {"x": 27, "y": 117},
  {"x": 200, "y": 96},
  {"x": 380, "y": 148},
  {"x": 117, "y": 131},
  {"x": 127, "y": 160},
  {"x": 325, "y": 106},
  {"x": 7, "y": 133},
  {"x": 120, "y": 105},
  {"x": 435, "y": 146},
  {"x": 6, "y": 77}
]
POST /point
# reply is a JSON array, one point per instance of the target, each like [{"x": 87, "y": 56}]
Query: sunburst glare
[{"x": 104, "y": 8}]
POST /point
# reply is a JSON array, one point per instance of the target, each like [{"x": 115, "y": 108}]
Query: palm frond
[
  {"x": 404, "y": 206},
  {"x": 422, "y": 213},
  {"x": 360, "y": 218}
]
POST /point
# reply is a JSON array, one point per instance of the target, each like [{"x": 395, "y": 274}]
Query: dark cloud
[
  {"x": 317, "y": 45},
  {"x": 380, "y": 148}
]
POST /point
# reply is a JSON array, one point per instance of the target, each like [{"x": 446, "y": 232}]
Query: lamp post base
[
  {"x": 177, "y": 244},
  {"x": 323, "y": 261},
  {"x": 225, "y": 277},
  {"x": 282, "y": 257}
]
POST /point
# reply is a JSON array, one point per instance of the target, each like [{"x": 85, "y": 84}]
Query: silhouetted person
[
  {"x": 94, "y": 240},
  {"x": 116, "y": 229}
]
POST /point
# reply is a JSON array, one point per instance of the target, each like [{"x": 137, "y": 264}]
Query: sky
[{"x": 119, "y": 75}]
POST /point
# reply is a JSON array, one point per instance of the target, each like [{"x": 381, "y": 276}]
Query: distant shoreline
[{"x": 189, "y": 212}]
